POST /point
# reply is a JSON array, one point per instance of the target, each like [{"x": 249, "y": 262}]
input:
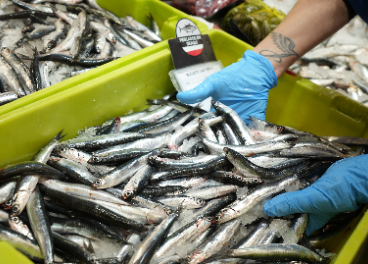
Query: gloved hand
[
  {"x": 243, "y": 86},
  {"x": 343, "y": 187}
]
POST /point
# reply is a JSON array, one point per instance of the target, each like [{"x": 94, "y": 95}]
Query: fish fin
[{"x": 60, "y": 135}]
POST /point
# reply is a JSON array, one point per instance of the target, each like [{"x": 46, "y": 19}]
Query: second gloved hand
[
  {"x": 343, "y": 187},
  {"x": 243, "y": 86}
]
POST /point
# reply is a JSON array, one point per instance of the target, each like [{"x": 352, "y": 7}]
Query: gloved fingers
[
  {"x": 316, "y": 221},
  {"x": 309, "y": 200},
  {"x": 198, "y": 94}
]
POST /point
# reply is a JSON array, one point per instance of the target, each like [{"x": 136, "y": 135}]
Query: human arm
[
  {"x": 309, "y": 23},
  {"x": 244, "y": 85},
  {"x": 343, "y": 188}
]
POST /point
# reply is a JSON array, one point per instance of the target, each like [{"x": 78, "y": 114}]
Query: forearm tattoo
[{"x": 285, "y": 44}]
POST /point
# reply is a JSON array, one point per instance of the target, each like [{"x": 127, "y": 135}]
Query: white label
[{"x": 190, "y": 77}]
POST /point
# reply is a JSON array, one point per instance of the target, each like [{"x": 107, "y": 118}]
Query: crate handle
[{"x": 349, "y": 108}]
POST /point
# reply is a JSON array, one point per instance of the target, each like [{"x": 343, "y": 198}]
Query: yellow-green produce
[{"x": 254, "y": 18}]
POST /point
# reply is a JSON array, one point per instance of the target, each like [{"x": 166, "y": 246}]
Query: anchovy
[
  {"x": 183, "y": 236},
  {"x": 160, "y": 191},
  {"x": 138, "y": 181},
  {"x": 127, "y": 250},
  {"x": 141, "y": 41},
  {"x": 29, "y": 167},
  {"x": 80, "y": 190},
  {"x": 67, "y": 43},
  {"x": 40, "y": 225},
  {"x": 146, "y": 250},
  {"x": 184, "y": 182},
  {"x": 104, "y": 31},
  {"x": 23, "y": 15},
  {"x": 72, "y": 248},
  {"x": 151, "y": 204},
  {"x": 4, "y": 216},
  {"x": 244, "y": 204},
  {"x": 149, "y": 143},
  {"x": 68, "y": 59},
  {"x": 64, "y": 16},
  {"x": 234, "y": 178},
  {"x": 6, "y": 191},
  {"x": 170, "y": 164},
  {"x": 82, "y": 158},
  {"x": 214, "y": 206},
  {"x": 277, "y": 252},
  {"x": 247, "y": 150},
  {"x": 200, "y": 169},
  {"x": 51, "y": 39},
  {"x": 165, "y": 126},
  {"x": 119, "y": 156},
  {"x": 254, "y": 236},
  {"x": 187, "y": 201},
  {"x": 221, "y": 137},
  {"x": 41, "y": 31},
  {"x": 102, "y": 141},
  {"x": 20, "y": 68},
  {"x": 8, "y": 78},
  {"x": 84, "y": 29},
  {"x": 230, "y": 134},
  {"x": 18, "y": 225},
  {"x": 235, "y": 120},
  {"x": 215, "y": 243},
  {"x": 84, "y": 242},
  {"x": 22, "y": 243},
  {"x": 143, "y": 28},
  {"x": 208, "y": 193},
  {"x": 92, "y": 209},
  {"x": 191, "y": 128},
  {"x": 34, "y": 7},
  {"x": 74, "y": 170},
  {"x": 8, "y": 97},
  {"x": 137, "y": 214},
  {"x": 244, "y": 166},
  {"x": 154, "y": 27},
  {"x": 83, "y": 228},
  {"x": 35, "y": 70},
  {"x": 100, "y": 42},
  {"x": 299, "y": 225},
  {"x": 121, "y": 173}
]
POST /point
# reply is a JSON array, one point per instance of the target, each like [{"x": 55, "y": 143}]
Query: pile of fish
[
  {"x": 45, "y": 42},
  {"x": 170, "y": 184},
  {"x": 339, "y": 67}
]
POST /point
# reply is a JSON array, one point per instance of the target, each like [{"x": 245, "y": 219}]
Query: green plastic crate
[
  {"x": 166, "y": 18},
  {"x": 294, "y": 102}
]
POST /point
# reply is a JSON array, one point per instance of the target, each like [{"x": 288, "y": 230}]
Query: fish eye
[
  {"x": 199, "y": 201},
  {"x": 15, "y": 219},
  {"x": 98, "y": 182},
  {"x": 95, "y": 158},
  {"x": 128, "y": 193},
  {"x": 15, "y": 209}
]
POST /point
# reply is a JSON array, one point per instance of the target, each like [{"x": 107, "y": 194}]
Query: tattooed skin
[{"x": 285, "y": 44}]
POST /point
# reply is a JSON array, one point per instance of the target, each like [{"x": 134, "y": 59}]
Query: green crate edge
[{"x": 168, "y": 31}]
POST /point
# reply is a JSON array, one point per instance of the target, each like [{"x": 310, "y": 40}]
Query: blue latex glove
[
  {"x": 243, "y": 86},
  {"x": 343, "y": 187}
]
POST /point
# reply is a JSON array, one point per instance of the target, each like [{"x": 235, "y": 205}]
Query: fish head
[
  {"x": 99, "y": 183},
  {"x": 50, "y": 45},
  {"x": 5, "y": 51},
  {"x": 200, "y": 202},
  {"x": 225, "y": 215},
  {"x": 204, "y": 223},
  {"x": 128, "y": 194}
]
